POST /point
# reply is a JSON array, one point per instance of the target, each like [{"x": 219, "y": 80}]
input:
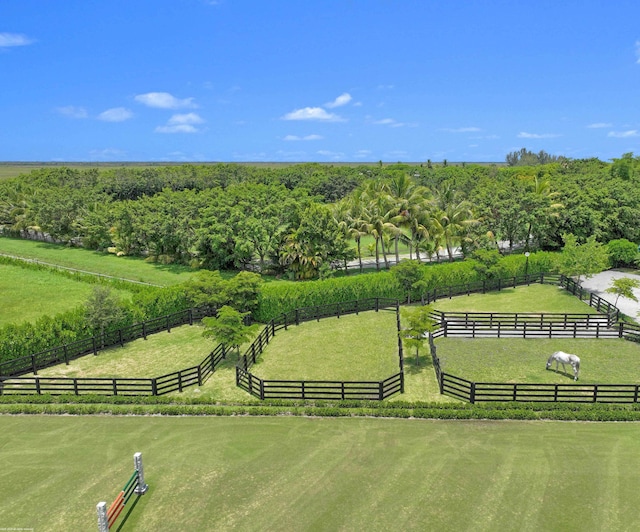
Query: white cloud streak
[
  {"x": 624, "y": 134},
  {"x": 306, "y": 137},
  {"x": 116, "y": 114},
  {"x": 72, "y": 111},
  {"x": 8, "y": 40},
  {"x": 462, "y": 130},
  {"x": 599, "y": 125},
  {"x": 312, "y": 113},
  {"x": 164, "y": 100},
  {"x": 341, "y": 100},
  {"x": 525, "y": 135}
]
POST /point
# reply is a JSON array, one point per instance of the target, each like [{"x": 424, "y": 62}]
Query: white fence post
[
  {"x": 103, "y": 523},
  {"x": 142, "y": 486}
]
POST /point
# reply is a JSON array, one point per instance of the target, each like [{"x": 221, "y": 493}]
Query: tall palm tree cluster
[{"x": 401, "y": 211}]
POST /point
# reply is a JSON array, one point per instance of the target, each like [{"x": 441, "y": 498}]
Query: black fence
[
  {"x": 164, "y": 384},
  {"x": 475, "y": 392},
  {"x": 65, "y": 353},
  {"x": 281, "y": 389}
]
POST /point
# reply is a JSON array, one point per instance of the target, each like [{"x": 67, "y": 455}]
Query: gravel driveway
[{"x": 601, "y": 281}]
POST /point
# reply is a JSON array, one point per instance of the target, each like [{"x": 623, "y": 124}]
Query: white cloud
[
  {"x": 306, "y": 137},
  {"x": 484, "y": 137},
  {"x": 334, "y": 155},
  {"x": 188, "y": 118},
  {"x": 392, "y": 123},
  {"x": 462, "y": 130},
  {"x": 116, "y": 114},
  {"x": 525, "y": 135},
  {"x": 107, "y": 153},
  {"x": 14, "y": 39},
  {"x": 598, "y": 125},
  {"x": 181, "y": 123},
  {"x": 72, "y": 111},
  {"x": 341, "y": 100},
  {"x": 181, "y": 128},
  {"x": 624, "y": 134},
  {"x": 164, "y": 100},
  {"x": 312, "y": 113}
]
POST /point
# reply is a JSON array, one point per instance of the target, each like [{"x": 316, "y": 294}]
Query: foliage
[
  {"x": 416, "y": 322},
  {"x": 623, "y": 287},
  {"x": 582, "y": 259},
  {"x": 102, "y": 310},
  {"x": 409, "y": 274},
  {"x": 622, "y": 252},
  {"x": 227, "y": 328},
  {"x": 525, "y": 157}
]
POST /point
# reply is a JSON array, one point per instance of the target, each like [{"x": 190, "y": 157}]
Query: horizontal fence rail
[
  {"x": 65, "y": 353},
  {"x": 171, "y": 382}
]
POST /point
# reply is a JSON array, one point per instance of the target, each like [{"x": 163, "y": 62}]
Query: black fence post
[
  {"x": 95, "y": 348},
  {"x": 356, "y": 307},
  {"x": 180, "y": 381},
  {"x": 261, "y": 390},
  {"x": 154, "y": 387},
  {"x": 38, "y": 385},
  {"x": 402, "y": 382},
  {"x": 284, "y": 317},
  {"x": 377, "y": 304},
  {"x": 338, "y": 310},
  {"x": 33, "y": 365},
  {"x": 66, "y": 354},
  {"x": 168, "y": 324},
  {"x": 199, "y": 376},
  {"x": 190, "y": 316},
  {"x": 297, "y": 317},
  {"x": 472, "y": 393},
  {"x": 380, "y": 391},
  {"x": 144, "y": 330}
]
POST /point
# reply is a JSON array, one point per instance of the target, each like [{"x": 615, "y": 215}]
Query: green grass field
[
  {"x": 352, "y": 347},
  {"x": 133, "y": 268},
  {"x": 28, "y": 294},
  {"x": 518, "y": 360},
  {"x": 161, "y": 353},
  {"x": 321, "y": 474},
  {"x": 532, "y": 298}
]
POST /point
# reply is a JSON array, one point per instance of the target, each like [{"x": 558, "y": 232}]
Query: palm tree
[
  {"x": 543, "y": 200},
  {"x": 452, "y": 217}
]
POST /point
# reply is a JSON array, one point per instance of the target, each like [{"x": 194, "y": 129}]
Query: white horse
[{"x": 563, "y": 358}]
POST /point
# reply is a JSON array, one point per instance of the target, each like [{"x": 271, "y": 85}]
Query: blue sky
[{"x": 310, "y": 80}]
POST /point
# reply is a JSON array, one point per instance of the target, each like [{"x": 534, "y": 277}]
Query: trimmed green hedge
[
  {"x": 278, "y": 298},
  {"x": 179, "y": 406}
]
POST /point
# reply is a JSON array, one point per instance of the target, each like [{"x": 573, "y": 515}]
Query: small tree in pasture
[
  {"x": 228, "y": 328},
  {"x": 416, "y": 322}
]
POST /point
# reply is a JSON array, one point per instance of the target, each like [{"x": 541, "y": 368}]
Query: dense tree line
[{"x": 304, "y": 219}]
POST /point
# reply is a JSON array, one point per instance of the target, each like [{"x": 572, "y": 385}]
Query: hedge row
[
  {"x": 514, "y": 411},
  {"x": 17, "y": 340},
  {"x": 278, "y": 298}
]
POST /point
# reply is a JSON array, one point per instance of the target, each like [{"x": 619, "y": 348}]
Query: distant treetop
[{"x": 525, "y": 157}]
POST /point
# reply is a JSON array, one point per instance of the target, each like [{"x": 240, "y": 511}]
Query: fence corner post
[
  {"x": 401, "y": 381},
  {"x": 154, "y": 386},
  {"x": 472, "y": 393},
  {"x": 380, "y": 391},
  {"x": 103, "y": 522},
  {"x": 142, "y": 487}
]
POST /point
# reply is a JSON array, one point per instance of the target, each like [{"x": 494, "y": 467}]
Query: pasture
[
  {"x": 131, "y": 268},
  {"x": 321, "y": 474},
  {"x": 532, "y": 298},
  {"x": 353, "y": 347},
  {"x": 28, "y": 294},
  {"x": 517, "y": 360}
]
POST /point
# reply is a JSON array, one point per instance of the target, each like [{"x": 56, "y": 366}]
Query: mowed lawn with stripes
[{"x": 289, "y": 473}]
